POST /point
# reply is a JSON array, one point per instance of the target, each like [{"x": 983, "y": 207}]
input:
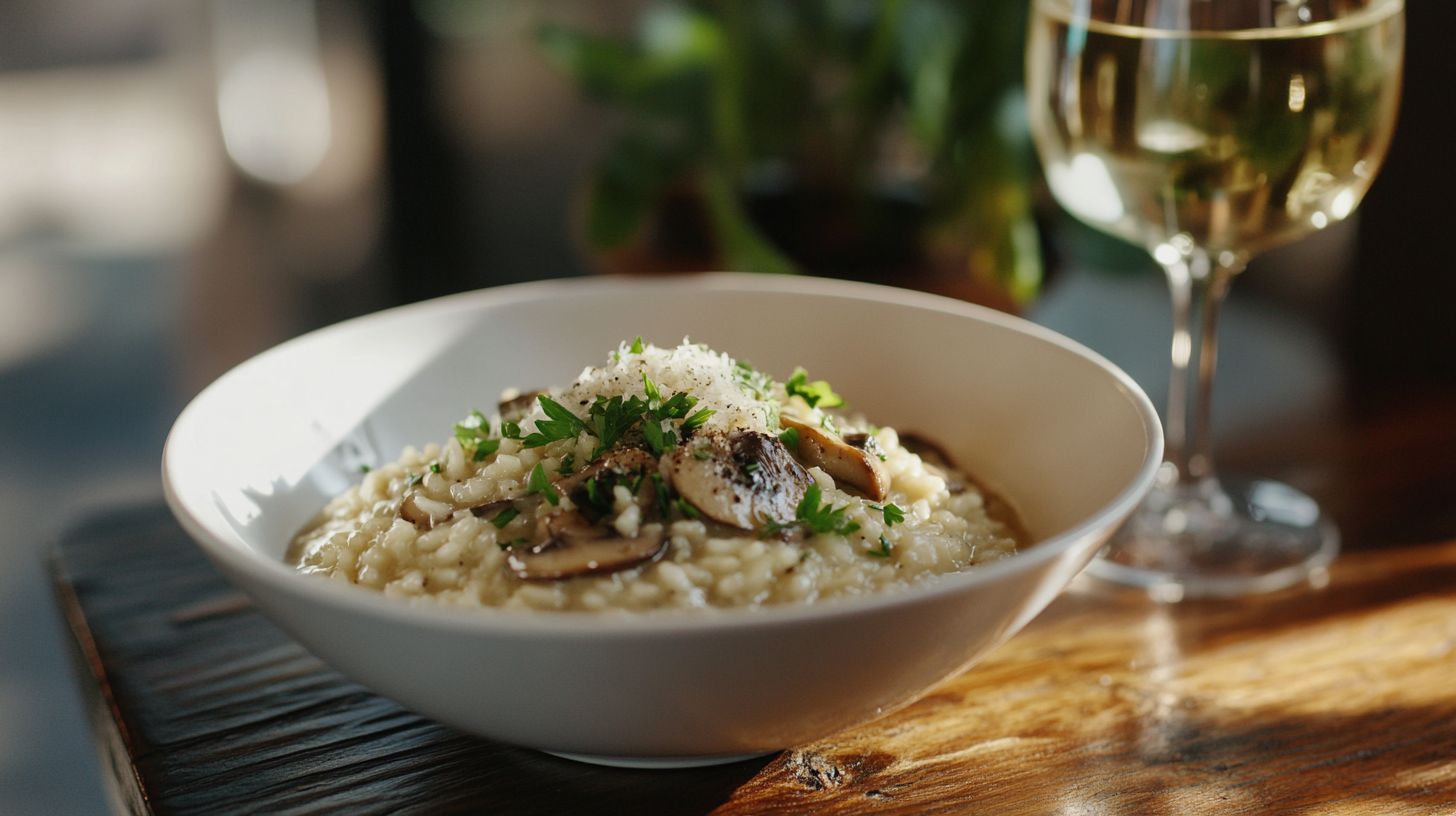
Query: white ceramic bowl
[{"x": 1066, "y": 437}]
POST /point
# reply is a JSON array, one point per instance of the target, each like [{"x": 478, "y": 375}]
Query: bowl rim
[{"x": 239, "y": 557}]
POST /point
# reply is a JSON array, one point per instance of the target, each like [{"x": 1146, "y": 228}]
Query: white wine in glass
[{"x": 1207, "y": 131}]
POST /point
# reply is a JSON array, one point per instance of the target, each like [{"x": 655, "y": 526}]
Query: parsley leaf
[
  {"x": 696, "y": 420},
  {"x": 568, "y": 465},
  {"x": 504, "y": 517},
  {"x": 817, "y": 393},
  {"x": 563, "y": 424},
  {"x": 434, "y": 467},
  {"x": 636, "y": 346},
  {"x": 537, "y": 484},
  {"x": 751, "y": 381},
  {"x": 611, "y": 419},
  {"x": 664, "y": 501},
  {"x": 824, "y": 518},
  {"x": 510, "y": 430},
  {"x": 893, "y": 515},
  {"x": 473, "y": 434},
  {"x": 883, "y": 551},
  {"x": 364, "y": 468},
  {"x": 687, "y": 509},
  {"x": 660, "y": 440},
  {"x": 810, "y": 514},
  {"x": 790, "y": 438},
  {"x": 414, "y": 480},
  {"x": 599, "y": 493}
]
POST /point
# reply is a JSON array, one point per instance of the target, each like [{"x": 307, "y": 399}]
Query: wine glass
[{"x": 1207, "y": 131}]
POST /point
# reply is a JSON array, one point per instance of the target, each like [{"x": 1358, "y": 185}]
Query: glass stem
[{"x": 1198, "y": 286}]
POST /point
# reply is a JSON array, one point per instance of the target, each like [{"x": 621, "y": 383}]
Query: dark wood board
[{"x": 1333, "y": 700}]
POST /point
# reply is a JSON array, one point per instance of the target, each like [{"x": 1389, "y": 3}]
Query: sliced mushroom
[
  {"x": 856, "y": 467},
  {"x": 574, "y": 546},
  {"x": 620, "y": 461},
  {"x": 741, "y": 478}
]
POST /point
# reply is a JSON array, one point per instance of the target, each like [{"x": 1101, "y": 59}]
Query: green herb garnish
[
  {"x": 817, "y": 393},
  {"x": 696, "y": 421},
  {"x": 664, "y": 501},
  {"x": 701, "y": 455},
  {"x": 893, "y": 515},
  {"x": 563, "y": 424},
  {"x": 751, "y": 467},
  {"x": 537, "y": 484},
  {"x": 434, "y": 467},
  {"x": 568, "y": 464},
  {"x": 364, "y": 468},
  {"x": 883, "y": 551},
  {"x": 751, "y": 381},
  {"x": 599, "y": 493},
  {"x": 790, "y": 438},
  {"x": 636, "y": 346},
  {"x": 660, "y": 440},
  {"x": 414, "y": 480},
  {"x": 810, "y": 514},
  {"x": 513, "y": 543},
  {"x": 504, "y": 517},
  {"x": 687, "y": 509},
  {"x": 473, "y": 434}
]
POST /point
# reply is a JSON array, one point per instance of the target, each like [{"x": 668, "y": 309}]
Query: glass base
[{"x": 1220, "y": 540}]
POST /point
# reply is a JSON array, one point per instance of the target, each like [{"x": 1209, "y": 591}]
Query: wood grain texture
[{"x": 1340, "y": 700}]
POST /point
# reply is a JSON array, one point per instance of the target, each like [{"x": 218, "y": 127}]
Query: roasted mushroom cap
[
  {"x": 742, "y": 478},
  {"x": 574, "y": 546},
  {"x": 854, "y": 466}
]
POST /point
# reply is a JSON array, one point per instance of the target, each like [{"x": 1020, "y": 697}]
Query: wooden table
[{"x": 1338, "y": 699}]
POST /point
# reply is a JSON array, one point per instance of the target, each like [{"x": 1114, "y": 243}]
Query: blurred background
[{"x": 184, "y": 184}]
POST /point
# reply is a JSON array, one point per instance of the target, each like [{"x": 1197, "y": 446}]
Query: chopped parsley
[
  {"x": 701, "y": 455},
  {"x": 599, "y": 493},
  {"x": 636, "y": 346},
  {"x": 664, "y": 501},
  {"x": 687, "y": 509},
  {"x": 660, "y": 440},
  {"x": 790, "y": 438},
  {"x": 751, "y": 381},
  {"x": 364, "y": 468},
  {"x": 751, "y": 467},
  {"x": 414, "y": 480},
  {"x": 696, "y": 420},
  {"x": 817, "y": 394},
  {"x": 563, "y": 424},
  {"x": 537, "y": 484},
  {"x": 883, "y": 551},
  {"x": 568, "y": 464},
  {"x": 504, "y": 517},
  {"x": 510, "y": 430},
  {"x": 819, "y": 518},
  {"x": 434, "y": 467},
  {"x": 473, "y": 434},
  {"x": 893, "y": 515}
]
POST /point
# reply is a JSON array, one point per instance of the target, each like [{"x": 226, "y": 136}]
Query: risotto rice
[{"x": 666, "y": 478}]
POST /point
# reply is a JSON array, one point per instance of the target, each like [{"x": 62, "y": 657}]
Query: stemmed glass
[{"x": 1207, "y": 131}]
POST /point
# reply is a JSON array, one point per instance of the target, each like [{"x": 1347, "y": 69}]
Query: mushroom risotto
[{"x": 666, "y": 478}]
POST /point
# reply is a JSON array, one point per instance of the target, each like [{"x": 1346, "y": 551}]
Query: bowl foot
[{"x": 659, "y": 763}]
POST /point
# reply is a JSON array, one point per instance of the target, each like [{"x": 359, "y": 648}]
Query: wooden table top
[{"x": 1332, "y": 700}]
